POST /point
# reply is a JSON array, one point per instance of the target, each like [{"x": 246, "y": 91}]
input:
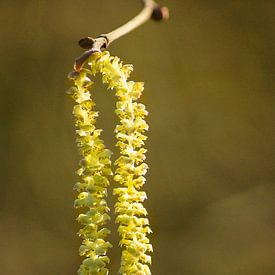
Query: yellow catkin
[
  {"x": 130, "y": 169},
  {"x": 93, "y": 172}
]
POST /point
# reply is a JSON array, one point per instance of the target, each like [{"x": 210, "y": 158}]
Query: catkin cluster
[{"x": 95, "y": 167}]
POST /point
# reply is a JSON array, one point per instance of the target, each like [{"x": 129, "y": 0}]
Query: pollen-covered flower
[
  {"x": 95, "y": 166},
  {"x": 93, "y": 172}
]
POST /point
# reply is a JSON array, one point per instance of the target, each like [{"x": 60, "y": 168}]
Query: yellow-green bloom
[
  {"x": 93, "y": 172},
  {"x": 95, "y": 166}
]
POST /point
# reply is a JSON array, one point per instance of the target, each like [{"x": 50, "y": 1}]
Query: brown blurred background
[{"x": 209, "y": 76}]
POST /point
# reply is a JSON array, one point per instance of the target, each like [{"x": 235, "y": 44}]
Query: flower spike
[
  {"x": 93, "y": 172},
  {"x": 95, "y": 167}
]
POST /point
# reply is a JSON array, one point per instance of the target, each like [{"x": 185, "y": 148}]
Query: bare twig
[{"x": 150, "y": 10}]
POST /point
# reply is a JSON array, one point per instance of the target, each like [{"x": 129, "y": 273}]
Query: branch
[{"x": 150, "y": 10}]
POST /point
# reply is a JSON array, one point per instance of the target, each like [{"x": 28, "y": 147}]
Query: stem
[
  {"x": 150, "y": 10},
  {"x": 141, "y": 18}
]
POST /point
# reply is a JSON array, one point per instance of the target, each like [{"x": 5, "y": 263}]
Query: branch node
[{"x": 100, "y": 43}]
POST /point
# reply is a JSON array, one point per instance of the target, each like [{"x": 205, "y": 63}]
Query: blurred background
[{"x": 209, "y": 88}]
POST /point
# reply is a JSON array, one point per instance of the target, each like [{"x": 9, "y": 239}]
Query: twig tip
[{"x": 160, "y": 13}]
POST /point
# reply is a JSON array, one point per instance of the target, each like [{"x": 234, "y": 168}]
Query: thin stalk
[
  {"x": 150, "y": 10},
  {"x": 137, "y": 21}
]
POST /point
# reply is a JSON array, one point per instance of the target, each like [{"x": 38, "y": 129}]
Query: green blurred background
[{"x": 209, "y": 79}]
